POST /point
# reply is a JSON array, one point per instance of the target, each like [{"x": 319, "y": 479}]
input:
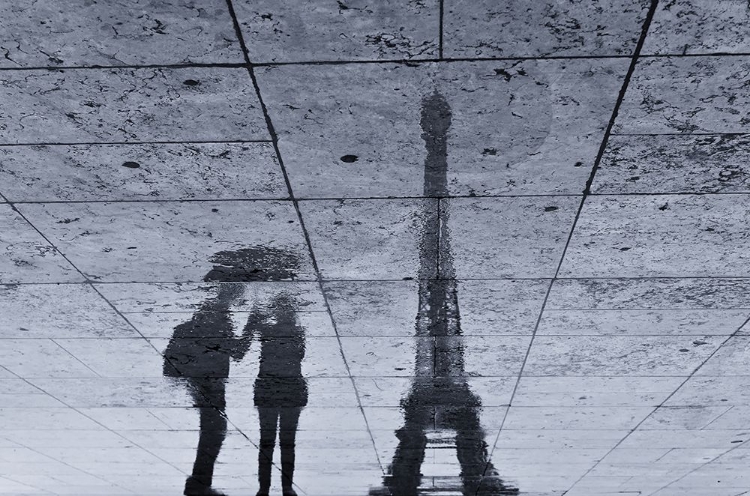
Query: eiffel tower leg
[{"x": 405, "y": 471}]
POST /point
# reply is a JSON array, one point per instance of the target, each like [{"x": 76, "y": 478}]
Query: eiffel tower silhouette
[{"x": 440, "y": 410}]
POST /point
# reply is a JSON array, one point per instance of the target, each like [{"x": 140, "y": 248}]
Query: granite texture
[
  {"x": 85, "y": 33},
  {"x": 517, "y": 127},
  {"x": 686, "y": 95},
  {"x": 27, "y": 256},
  {"x": 158, "y": 104},
  {"x": 484, "y": 28},
  {"x": 677, "y": 236},
  {"x": 674, "y": 164},
  {"x": 434, "y": 247},
  {"x": 699, "y": 27},
  {"x": 197, "y": 171},
  {"x": 164, "y": 242},
  {"x": 287, "y": 31}
]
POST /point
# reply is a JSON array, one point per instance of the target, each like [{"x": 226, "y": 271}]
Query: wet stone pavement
[{"x": 392, "y": 248}]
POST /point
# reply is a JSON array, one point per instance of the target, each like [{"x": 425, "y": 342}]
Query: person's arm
[{"x": 252, "y": 326}]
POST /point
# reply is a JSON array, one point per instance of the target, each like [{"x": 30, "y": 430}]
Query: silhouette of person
[
  {"x": 200, "y": 350},
  {"x": 280, "y": 389}
]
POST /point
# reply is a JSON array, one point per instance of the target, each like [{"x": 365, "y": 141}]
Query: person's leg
[
  {"x": 210, "y": 395},
  {"x": 268, "y": 420},
  {"x": 288, "y": 421}
]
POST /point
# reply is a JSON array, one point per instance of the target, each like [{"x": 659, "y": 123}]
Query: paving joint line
[
  {"x": 586, "y": 192},
  {"x": 274, "y": 139},
  {"x": 440, "y": 29},
  {"x": 662, "y": 405},
  {"x": 125, "y": 143},
  {"x": 240, "y": 65}
]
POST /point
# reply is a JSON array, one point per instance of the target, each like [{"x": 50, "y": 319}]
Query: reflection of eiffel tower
[{"x": 440, "y": 411}]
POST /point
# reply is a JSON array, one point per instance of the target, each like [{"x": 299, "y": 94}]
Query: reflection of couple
[{"x": 199, "y": 354}]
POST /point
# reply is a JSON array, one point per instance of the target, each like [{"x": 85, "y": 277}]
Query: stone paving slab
[
  {"x": 674, "y": 164},
  {"x": 286, "y": 31},
  {"x": 138, "y": 242},
  {"x": 143, "y": 172},
  {"x": 515, "y": 28},
  {"x": 129, "y": 105},
  {"x": 27, "y": 256},
  {"x": 686, "y": 95},
  {"x": 697, "y": 27},
  {"x": 656, "y": 236},
  {"x": 517, "y": 127},
  {"x": 81, "y": 33}
]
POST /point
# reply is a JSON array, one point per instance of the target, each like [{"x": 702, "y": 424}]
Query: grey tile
[
  {"x": 58, "y": 311},
  {"x": 286, "y": 31},
  {"x": 517, "y": 127},
  {"x": 674, "y": 164},
  {"x": 594, "y": 391},
  {"x": 42, "y": 419},
  {"x": 366, "y": 239},
  {"x": 561, "y": 438},
  {"x": 730, "y": 359},
  {"x": 389, "y": 308},
  {"x": 655, "y": 236},
  {"x": 509, "y": 237},
  {"x": 653, "y": 294},
  {"x": 673, "y": 322},
  {"x": 113, "y": 392},
  {"x": 589, "y": 418},
  {"x": 124, "y": 242},
  {"x": 686, "y": 95},
  {"x": 736, "y": 419},
  {"x": 683, "y": 418},
  {"x": 17, "y": 393},
  {"x": 135, "y": 357},
  {"x": 519, "y": 29},
  {"x": 27, "y": 256},
  {"x": 186, "y": 298},
  {"x": 694, "y": 26},
  {"x": 673, "y": 438},
  {"x": 141, "y": 172},
  {"x": 30, "y": 358},
  {"x": 389, "y": 391},
  {"x": 76, "y": 32},
  {"x": 713, "y": 391},
  {"x": 387, "y": 356},
  {"x": 129, "y": 105},
  {"x": 619, "y": 355}
]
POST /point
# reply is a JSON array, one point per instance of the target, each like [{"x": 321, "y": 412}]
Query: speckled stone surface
[
  {"x": 515, "y": 28},
  {"x": 698, "y": 26},
  {"x": 129, "y": 105},
  {"x": 519, "y": 237},
  {"x": 675, "y": 164},
  {"x": 652, "y": 236},
  {"x": 85, "y": 33},
  {"x": 58, "y": 311},
  {"x": 517, "y": 127},
  {"x": 287, "y": 31},
  {"x": 687, "y": 95},
  {"x": 27, "y": 256},
  {"x": 163, "y": 242},
  {"x": 197, "y": 171},
  {"x": 434, "y": 247}
]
